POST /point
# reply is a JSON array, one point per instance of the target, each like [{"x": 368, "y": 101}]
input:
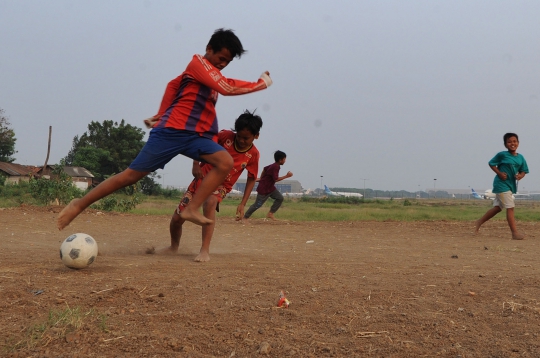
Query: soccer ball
[{"x": 78, "y": 251}]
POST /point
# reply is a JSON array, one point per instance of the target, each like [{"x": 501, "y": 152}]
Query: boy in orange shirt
[
  {"x": 186, "y": 124},
  {"x": 239, "y": 144}
]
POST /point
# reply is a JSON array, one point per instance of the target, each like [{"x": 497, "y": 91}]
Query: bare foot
[
  {"x": 517, "y": 236},
  {"x": 203, "y": 256},
  {"x": 271, "y": 216},
  {"x": 195, "y": 217},
  {"x": 67, "y": 214},
  {"x": 477, "y": 226},
  {"x": 164, "y": 251}
]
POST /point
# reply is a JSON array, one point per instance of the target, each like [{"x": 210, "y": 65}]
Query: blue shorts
[{"x": 166, "y": 143}]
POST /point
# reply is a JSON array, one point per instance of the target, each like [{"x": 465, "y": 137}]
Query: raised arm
[
  {"x": 288, "y": 175},
  {"x": 203, "y": 72}
]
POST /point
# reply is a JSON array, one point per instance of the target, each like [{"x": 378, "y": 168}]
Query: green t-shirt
[{"x": 511, "y": 165}]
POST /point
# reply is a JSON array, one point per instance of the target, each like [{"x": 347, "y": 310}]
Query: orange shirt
[
  {"x": 248, "y": 160},
  {"x": 189, "y": 100}
]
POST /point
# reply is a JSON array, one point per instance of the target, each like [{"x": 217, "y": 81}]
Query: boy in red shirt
[
  {"x": 186, "y": 124},
  {"x": 239, "y": 144},
  {"x": 267, "y": 189}
]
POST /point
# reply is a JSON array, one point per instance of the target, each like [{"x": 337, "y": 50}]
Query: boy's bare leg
[
  {"x": 175, "y": 229},
  {"x": 270, "y": 215},
  {"x": 223, "y": 163},
  {"x": 209, "y": 210},
  {"x": 512, "y": 223},
  {"x": 488, "y": 215},
  {"x": 76, "y": 206}
]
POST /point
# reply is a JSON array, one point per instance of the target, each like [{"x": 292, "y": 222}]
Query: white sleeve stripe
[{"x": 206, "y": 66}]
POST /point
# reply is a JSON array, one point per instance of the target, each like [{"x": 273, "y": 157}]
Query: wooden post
[{"x": 48, "y": 152}]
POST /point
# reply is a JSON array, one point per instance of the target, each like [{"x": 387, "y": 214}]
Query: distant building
[
  {"x": 284, "y": 186},
  {"x": 81, "y": 177},
  {"x": 16, "y": 173}
]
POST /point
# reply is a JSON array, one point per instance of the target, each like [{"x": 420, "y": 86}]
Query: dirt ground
[{"x": 381, "y": 289}]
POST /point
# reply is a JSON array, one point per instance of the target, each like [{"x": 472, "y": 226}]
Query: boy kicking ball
[
  {"x": 239, "y": 144},
  {"x": 186, "y": 124},
  {"x": 510, "y": 167}
]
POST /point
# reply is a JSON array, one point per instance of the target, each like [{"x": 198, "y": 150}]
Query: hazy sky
[{"x": 396, "y": 92}]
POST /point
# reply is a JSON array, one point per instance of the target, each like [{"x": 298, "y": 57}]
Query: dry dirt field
[{"x": 361, "y": 289}]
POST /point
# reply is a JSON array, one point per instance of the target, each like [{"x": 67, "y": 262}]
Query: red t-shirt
[
  {"x": 268, "y": 179},
  {"x": 248, "y": 160},
  {"x": 189, "y": 100}
]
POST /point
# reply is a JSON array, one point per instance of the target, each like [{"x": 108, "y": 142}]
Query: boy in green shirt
[{"x": 510, "y": 167}]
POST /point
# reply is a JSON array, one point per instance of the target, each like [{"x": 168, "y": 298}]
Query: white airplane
[
  {"x": 235, "y": 192},
  {"x": 488, "y": 194},
  {"x": 340, "y": 193},
  {"x": 293, "y": 195}
]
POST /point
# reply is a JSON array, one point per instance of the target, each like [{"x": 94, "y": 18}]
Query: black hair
[
  {"x": 278, "y": 155},
  {"x": 510, "y": 135},
  {"x": 226, "y": 38},
  {"x": 249, "y": 120}
]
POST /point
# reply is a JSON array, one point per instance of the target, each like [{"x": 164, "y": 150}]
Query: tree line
[{"x": 105, "y": 149}]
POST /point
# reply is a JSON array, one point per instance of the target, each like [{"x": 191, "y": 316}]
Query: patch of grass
[
  {"x": 500, "y": 249},
  {"x": 156, "y": 206},
  {"x": 57, "y": 325},
  {"x": 315, "y": 209},
  {"x": 103, "y": 323}
]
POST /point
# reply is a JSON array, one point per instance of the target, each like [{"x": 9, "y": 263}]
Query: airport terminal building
[{"x": 284, "y": 186}]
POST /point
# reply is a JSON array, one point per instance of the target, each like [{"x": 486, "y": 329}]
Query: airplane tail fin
[
  {"x": 476, "y": 195},
  {"x": 326, "y": 190}
]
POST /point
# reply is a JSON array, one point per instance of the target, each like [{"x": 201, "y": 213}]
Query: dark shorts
[
  {"x": 166, "y": 143},
  {"x": 219, "y": 193}
]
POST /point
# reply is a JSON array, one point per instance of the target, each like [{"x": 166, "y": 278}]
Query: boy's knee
[
  {"x": 229, "y": 163},
  {"x": 221, "y": 161},
  {"x": 210, "y": 203},
  {"x": 225, "y": 164}
]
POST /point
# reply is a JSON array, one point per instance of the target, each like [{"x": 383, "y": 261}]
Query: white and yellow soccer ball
[{"x": 78, "y": 251}]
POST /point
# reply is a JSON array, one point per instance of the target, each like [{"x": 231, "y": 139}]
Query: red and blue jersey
[{"x": 189, "y": 100}]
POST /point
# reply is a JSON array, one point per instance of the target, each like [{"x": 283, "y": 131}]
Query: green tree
[
  {"x": 149, "y": 186},
  {"x": 92, "y": 159},
  {"x": 7, "y": 139},
  {"x": 106, "y": 148}
]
